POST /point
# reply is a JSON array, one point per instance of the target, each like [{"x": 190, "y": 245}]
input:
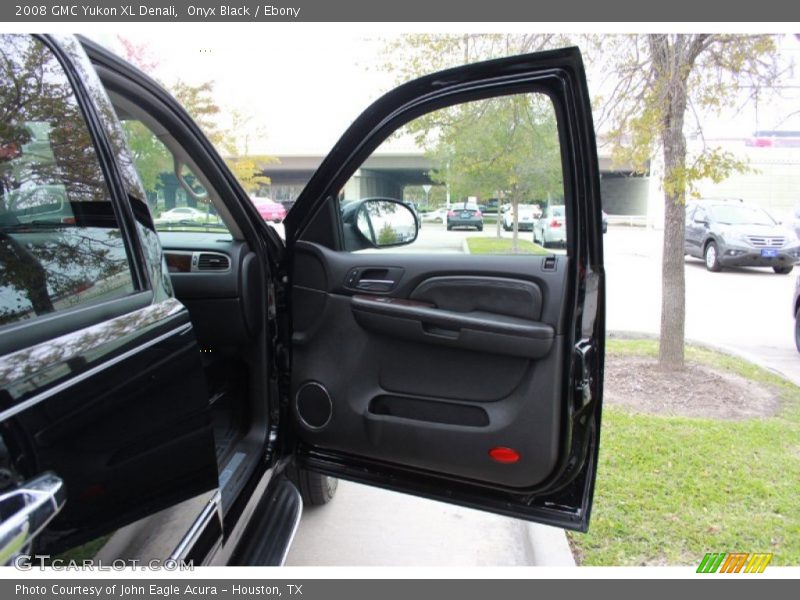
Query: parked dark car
[
  {"x": 492, "y": 206},
  {"x": 464, "y": 214},
  {"x": 733, "y": 233},
  {"x": 216, "y": 378}
]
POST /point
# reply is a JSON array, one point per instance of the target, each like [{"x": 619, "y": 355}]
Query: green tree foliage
[
  {"x": 414, "y": 55},
  {"x": 200, "y": 103},
  {"x": 507, "y": 123},
  {"x": 149, "y": 154},
  {"x": 387, "y": 235},
  {"x": 662, "y": 83},
  {"x": 506, "y": 147}
]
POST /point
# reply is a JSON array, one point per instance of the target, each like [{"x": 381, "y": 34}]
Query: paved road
[
  {"x": 747, "y": 309},
  {"x": 365, "y": 526}
]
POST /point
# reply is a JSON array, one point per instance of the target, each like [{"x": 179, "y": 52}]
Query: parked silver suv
[{"x": 732, "y": 233}]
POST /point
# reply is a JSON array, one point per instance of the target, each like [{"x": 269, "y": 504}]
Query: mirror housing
[{"x": 378, "y": 223}]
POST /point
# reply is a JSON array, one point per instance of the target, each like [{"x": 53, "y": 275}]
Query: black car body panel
[
  {"x": 107, "y": 396},
  {"x": 373, "y": 425}
]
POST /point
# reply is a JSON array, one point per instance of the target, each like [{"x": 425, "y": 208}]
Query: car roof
[{"x": 721, "y": 200}]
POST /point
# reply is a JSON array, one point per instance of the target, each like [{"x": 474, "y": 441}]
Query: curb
[
  {"x": 465, "y": 246},
  {"x": 548, "y": 546}
]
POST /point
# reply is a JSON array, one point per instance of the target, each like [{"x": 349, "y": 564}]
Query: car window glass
[
  {"x": 734, "y": 214},
  {"x": 700, "y": 215},
  {"x": 479, "y": 176},
  {"x": 178, "y": 202},
  {"x": 60, "y": 243}
]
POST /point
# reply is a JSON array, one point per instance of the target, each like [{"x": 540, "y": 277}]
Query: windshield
[
  {"x": 741, "y": 215},
  {"x": 177, "y": 199},
  {"x": 557, "y": 211}
]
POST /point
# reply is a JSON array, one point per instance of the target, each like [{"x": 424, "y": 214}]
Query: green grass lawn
[
  {"x": 493, "y": 245},
  {"x": 670, "y": 489}
]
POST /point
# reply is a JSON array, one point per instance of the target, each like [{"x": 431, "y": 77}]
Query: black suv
[
  {"x": 732, "y": 233},
  {"x": 177, "y": 393}
]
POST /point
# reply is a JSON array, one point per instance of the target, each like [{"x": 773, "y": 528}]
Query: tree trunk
[{"x": 673, "y": 282}]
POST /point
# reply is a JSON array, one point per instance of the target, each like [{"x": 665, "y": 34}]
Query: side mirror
[{"x": 379, "y": 223}]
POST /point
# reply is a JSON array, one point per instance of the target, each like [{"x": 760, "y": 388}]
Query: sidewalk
[{"x": 365, "y": 526}]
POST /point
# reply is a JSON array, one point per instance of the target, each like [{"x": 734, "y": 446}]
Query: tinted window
[{"x": 60, "y": 244}]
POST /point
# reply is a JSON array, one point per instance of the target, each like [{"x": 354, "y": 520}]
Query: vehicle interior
[{"x": 217, "y": 275}]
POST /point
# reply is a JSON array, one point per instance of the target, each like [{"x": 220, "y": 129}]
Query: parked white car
[
  {"x": 435, "y": 216},
  {"x": 528, "y": 213},
  {"x": 181, "y": 213},
  {"x": 550, "y": 228}
]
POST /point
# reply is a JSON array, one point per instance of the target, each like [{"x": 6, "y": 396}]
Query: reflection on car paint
[{"x": 39, "y": 366}]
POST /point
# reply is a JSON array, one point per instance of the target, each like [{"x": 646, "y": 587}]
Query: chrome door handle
[
  {"x": 26, "y": 510},
  {"x": 377, "y": 285}
]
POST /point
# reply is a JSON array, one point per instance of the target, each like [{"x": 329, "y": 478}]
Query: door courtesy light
[{"x": 504, "y": 456}]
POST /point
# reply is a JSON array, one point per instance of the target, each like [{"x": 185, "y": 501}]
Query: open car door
[{"x": 421, "y": 365}]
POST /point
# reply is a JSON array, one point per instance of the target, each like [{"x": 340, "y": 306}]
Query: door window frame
[{"x": 25, "y": 333}]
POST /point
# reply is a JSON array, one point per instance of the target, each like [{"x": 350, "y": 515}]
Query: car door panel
[
  {"x": 440, "y": 381},
  {"x": 484, "y": 332},
  {"x": 93, "y": 426},
  {"x": 470, "y": 379}
]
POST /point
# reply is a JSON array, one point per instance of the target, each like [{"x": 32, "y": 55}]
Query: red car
[{"x": 269, "y": 210}]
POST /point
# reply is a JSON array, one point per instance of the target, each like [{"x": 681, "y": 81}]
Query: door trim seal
[{"x": 212, "y": 507}]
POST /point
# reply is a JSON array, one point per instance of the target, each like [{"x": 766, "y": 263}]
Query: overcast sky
[
  {"x": 301, "y": 90},
  {"x": 304, "y": 86}
]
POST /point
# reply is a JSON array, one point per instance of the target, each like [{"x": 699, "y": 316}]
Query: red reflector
[{"x": 505, "y": 456}]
